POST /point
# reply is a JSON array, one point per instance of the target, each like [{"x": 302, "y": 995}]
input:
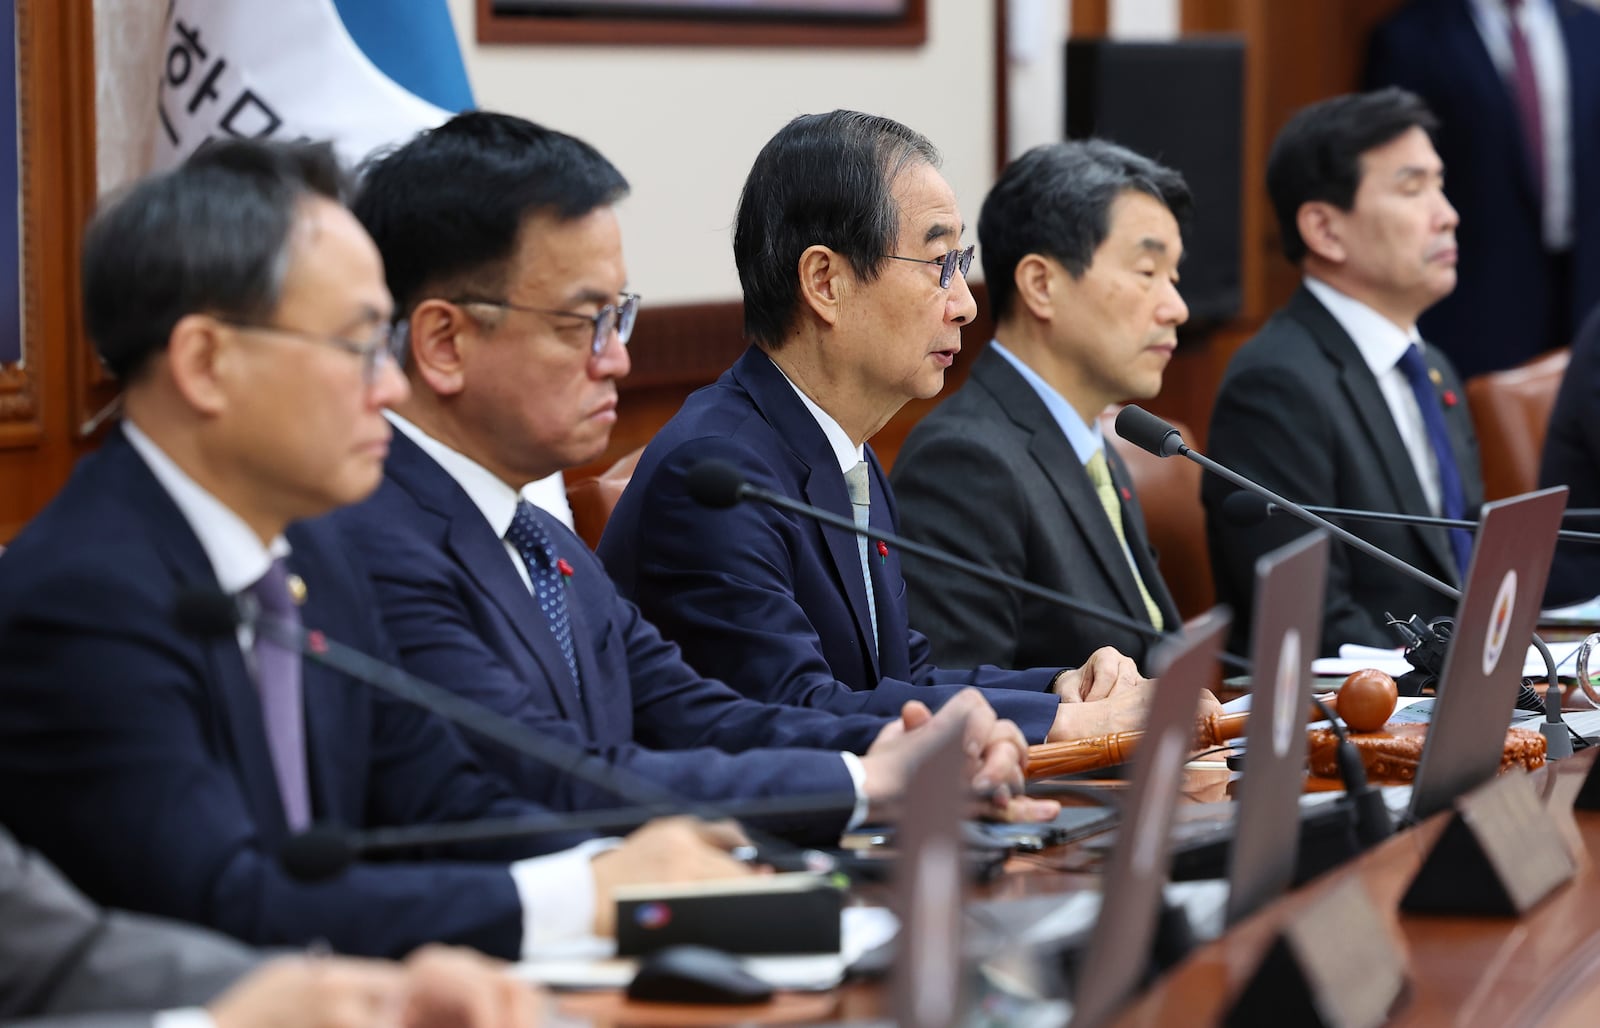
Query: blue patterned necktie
[
  {"x": 1452, "y": 498},
  {"x": 279, "y": 691},
  {"x": 539, "y": 554}
]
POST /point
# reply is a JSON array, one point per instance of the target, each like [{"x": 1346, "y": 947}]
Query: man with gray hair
[{"x": 1081, "y": 245}]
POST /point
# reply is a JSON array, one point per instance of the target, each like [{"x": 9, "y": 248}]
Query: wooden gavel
[{"x": 1064, "y": 758}]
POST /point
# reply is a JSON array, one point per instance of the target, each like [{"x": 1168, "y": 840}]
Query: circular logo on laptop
[
  {"x": 1505, "y": 603},
  {"x": 652, "y": 916},
  {"x": 1286, "y": 693}
]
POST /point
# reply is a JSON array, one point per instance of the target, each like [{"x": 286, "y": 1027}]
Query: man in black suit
[
  {"x": 164, "y": 768},
  {"x": 1572, "y": 458},
  {"x": 1337, "y": 400},
  {"x": 1516, "y": 87},
  {"x": 1081, "y": 245}
]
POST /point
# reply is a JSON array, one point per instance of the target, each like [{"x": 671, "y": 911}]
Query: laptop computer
[{"x": 1482, "y": 672}]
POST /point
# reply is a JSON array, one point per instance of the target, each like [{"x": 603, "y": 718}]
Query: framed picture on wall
[{"x": 705, "y": 22}]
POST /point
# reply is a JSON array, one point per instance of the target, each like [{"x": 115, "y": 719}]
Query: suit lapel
[
  {"x": 235, "y": 706},
  {"x": 1139, "y": 542},
  {"x": 1365, "y": 399},
  {"x": 823, "y": 483},
  {"x": 481, "y": 554},
  {"x": 1059, "y": 464},
  {"x": 332, "y": 703}
]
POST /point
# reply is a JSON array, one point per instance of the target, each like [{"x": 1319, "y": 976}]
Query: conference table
[{"x": 1540, "y": 969}]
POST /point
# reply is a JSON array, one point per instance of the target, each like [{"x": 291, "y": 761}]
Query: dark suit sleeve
[
  {"x": 63, "y": 957},
  {"x": 1248, "y": 434},
  {"x": 722, "y": 584},
  {"x": 949, "y": 488},
  {"x": 450, "y": 633},
  {"x": 1572, "y": 458},
  {"x": 104, "y": 714}
]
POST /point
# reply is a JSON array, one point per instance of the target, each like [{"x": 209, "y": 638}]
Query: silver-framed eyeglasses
[
  {"x": 377, "y": 350},
  {"x": 948, "y": 264},
  {"x": 613, "y": 317}
]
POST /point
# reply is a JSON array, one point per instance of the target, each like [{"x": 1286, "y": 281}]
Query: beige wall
[{"x": 684, "y": 124}]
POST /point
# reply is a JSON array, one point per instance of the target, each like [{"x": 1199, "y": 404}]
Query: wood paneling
[
  {"x": 500, "y": 27},
  {"x": 38, "y": 438}
]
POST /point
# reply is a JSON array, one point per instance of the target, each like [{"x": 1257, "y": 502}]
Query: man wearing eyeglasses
[
  {"x": 848, "y": 246},
  {"x": 1081, "y": 246},
  {"x": 517, "y": 321},
  {"x": 163, "y": 766}
]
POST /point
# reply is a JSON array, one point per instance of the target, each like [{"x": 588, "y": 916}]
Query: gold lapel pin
[
  {"x": 297, "y": 589},
  {"x": 1434, "y": 377}
]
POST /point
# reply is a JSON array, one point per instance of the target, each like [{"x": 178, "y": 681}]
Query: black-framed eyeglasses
[
  {"x": 375, "y": 351},
  {"x": 948, "y": 264},
  {"x": 613, "y": 317}
]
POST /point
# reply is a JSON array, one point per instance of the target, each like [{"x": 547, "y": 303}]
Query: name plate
[
  {"x": 1335, "y": 964},
  {"x": 1500, "y": 855}
]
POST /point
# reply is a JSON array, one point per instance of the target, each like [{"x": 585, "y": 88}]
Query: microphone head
[
  {"x": 1245, "y": 508},
  {"x": 716, "y": 484},
  {"x": 207, "y": 612},
  {"x": 319, "y": 852},
  {"x": 1148, "y": 432}
]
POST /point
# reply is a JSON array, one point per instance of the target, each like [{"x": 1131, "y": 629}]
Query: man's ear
[
  {"x": 1321, "y": 226},
  {"x": 201, "y": 353},
  {"x": 1035, "y": 281},
  {"x": 440, "y": 335},
  {"x": 824, "y": 275}
]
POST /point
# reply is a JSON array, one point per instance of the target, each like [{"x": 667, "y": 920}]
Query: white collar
[
  {"x": 493, "y": 498},
  {"x": 237, "y": 557},
  {"x": 1381, "y": 342},
  {"x": 846, "y": 452}
]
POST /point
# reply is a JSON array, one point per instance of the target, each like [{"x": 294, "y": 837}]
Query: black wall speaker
[{"x": 1181, "y": 103}]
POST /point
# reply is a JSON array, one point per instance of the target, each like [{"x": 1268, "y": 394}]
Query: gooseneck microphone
[
  {"x": 1150, "y": 433},
  {"x": 325, "y": 850},
  {"x": 720, "y": 485},
  {"x": 1247, "y": 509}
]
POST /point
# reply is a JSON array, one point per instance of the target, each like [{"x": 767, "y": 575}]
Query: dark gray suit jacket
[
  {"x": 990, "y": 476},
  {"x": 1300, "y": 412},
  {"x": 65, "y": 961}
]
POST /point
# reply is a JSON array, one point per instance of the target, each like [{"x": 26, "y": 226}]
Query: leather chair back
[
  {"x": 1511, "y": 414},
  {"x": 593, "y": 499},
  {"x": 1169, "y": 492}
]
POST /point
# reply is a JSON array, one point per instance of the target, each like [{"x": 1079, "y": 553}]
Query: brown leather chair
[
  {"x": 1169, "y": 492},
  {"x": 1511, "y": 413},
  {"x": 593, "y": 499}
]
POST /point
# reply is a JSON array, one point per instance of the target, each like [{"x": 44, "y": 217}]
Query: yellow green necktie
[{"x": 1100, "y": 476}]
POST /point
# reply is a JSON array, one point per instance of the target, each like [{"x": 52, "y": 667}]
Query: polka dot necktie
[{"x": 539, "y": 554}]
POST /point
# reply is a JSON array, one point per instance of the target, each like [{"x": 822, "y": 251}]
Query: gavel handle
[{"x": 1064, "y": 758}]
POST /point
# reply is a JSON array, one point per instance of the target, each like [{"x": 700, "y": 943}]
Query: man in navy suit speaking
[
  {"x": 848, "y": 245},
  {"x": 162, "y": 769}
]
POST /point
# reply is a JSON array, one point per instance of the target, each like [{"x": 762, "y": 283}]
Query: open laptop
[{"x": 1482, "y": 673}]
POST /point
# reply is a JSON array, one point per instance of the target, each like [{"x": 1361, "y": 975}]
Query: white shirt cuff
[
  {"x": 858, "y": 778},
  {"x": 557, "y": 896},
  {"x": 186, "y": 1017}
]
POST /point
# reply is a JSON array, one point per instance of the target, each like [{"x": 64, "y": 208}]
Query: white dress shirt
[
  {"x": 1547, "y": 52},
  {"x": 557, "y": 890},
  {"x": 1382, "y": 343}
]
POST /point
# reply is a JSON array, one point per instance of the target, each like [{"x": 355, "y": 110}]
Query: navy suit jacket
[
  {"x": 1506, "y": 308},
  {"x": 133, "y": 753},
  {"x": 1572, "y": 458},
  {"x": 773, "y": 603},
  {"x": 1300, "y": 412},
  {"x": 451, "y": 598},
  {"x": 993, "y": 455}
]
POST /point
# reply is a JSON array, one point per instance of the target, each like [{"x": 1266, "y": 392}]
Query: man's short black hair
[
  {"x": 1317, "y": 156},
  {"x": 824, "y": 179},
  {"x": 447, "y": 208},
  {"x": 210, "y": 236},
  {"x": 1055, "y": 200}
]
